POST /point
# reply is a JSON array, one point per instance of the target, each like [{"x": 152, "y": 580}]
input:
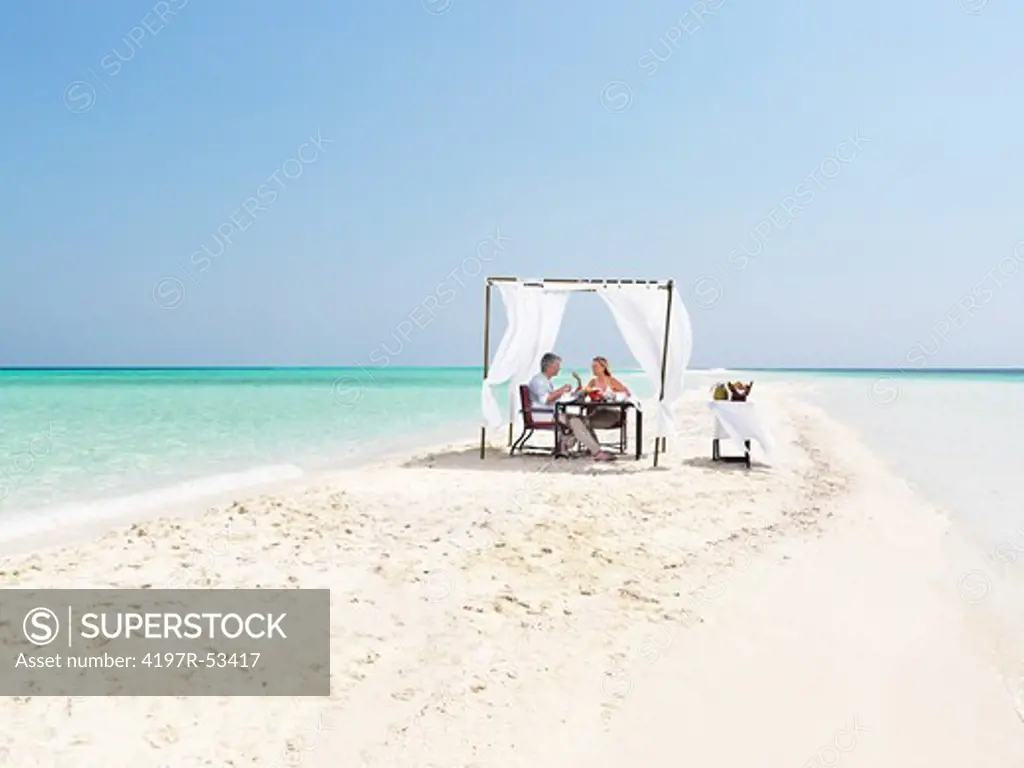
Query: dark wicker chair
[
  {"x": 533, "y": 424},
  {"x": 620, "y": 427}
]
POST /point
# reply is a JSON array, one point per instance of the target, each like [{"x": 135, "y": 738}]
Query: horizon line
[{"x": 783, "y": 369}]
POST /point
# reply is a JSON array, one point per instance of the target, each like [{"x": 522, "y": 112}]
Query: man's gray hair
[{"x": 548, "y": 359}]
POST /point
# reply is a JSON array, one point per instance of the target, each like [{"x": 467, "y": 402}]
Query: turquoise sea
[{"x": 70, "y": 436}]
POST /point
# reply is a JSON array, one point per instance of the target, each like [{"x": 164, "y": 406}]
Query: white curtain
[
  {"x": 639, "y": 313},
  {"x": 534, "y": 319}
]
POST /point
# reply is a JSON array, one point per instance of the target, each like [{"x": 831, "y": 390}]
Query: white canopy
[{"x": 535, "y": 309}]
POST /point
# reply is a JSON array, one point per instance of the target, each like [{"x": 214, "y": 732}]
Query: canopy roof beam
[{"x": 578, "y": 281}]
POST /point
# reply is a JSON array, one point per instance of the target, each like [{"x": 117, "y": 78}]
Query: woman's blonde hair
[{"x": 604, "y": 361}]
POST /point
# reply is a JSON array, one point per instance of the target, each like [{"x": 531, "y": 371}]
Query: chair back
[
  {"x": 525, "y": 406},
  {"x": 530, "y": 420},
  {"x": 547, "y": 420}
]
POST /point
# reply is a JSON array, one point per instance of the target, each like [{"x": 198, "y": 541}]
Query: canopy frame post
[
  {"x": 487, "y": 357},
  {"x": 660, "y": 441}
]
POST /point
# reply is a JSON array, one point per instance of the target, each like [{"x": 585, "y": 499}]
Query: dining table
[{"x": 577, "y": 405}]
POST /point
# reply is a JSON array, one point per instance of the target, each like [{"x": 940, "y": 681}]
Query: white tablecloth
[{"x": 739, "y": 422}]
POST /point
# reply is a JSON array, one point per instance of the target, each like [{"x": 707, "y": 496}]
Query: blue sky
[{"x": 599, "y": 137}]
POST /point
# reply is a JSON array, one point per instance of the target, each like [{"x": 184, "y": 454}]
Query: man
[{"x": 542, "y": 399}]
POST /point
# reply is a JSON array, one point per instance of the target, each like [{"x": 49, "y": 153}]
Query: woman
[
  {"x": 603, "y": 380},
  {"x": 608, "y": 386}
]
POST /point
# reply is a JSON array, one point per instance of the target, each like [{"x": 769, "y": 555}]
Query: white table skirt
[{"x": 740, "y": 422}]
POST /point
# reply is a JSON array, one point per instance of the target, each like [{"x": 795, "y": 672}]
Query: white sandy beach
[{"x": 519, "y": 612}]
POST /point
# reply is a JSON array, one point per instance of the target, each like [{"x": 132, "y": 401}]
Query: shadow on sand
[
  {"x": 498, "y": 460},
  {"x": 704, "y": 462}
]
